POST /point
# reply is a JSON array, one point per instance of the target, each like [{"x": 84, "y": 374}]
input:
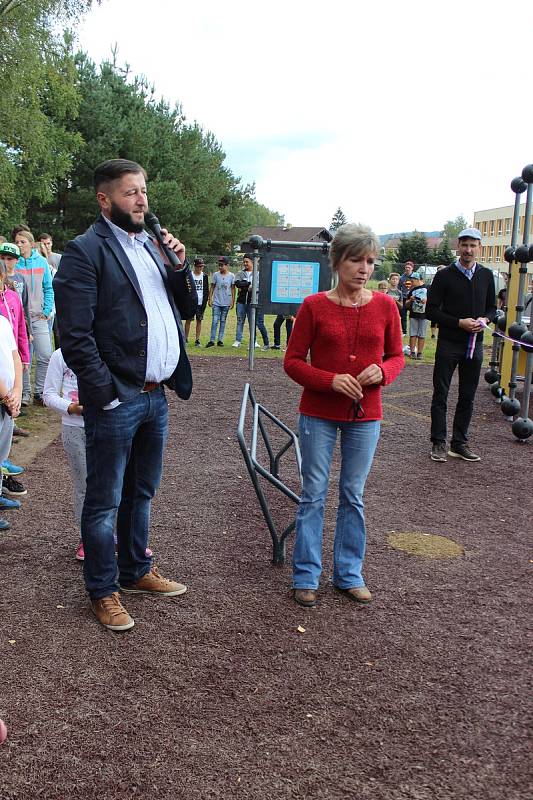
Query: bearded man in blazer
[{"x": 120, "y": 327}]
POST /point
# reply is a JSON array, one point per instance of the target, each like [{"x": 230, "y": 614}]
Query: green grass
[{"x": 229, "y": 338}]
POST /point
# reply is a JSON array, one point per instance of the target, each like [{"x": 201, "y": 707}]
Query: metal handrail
[{"x": 255, "y": 469}]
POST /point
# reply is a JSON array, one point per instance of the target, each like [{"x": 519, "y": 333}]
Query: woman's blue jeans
[
  {"x": 317, "y": 442},
  {"x": 219, "y": 318},
  {"x": 124, "y": 448}
]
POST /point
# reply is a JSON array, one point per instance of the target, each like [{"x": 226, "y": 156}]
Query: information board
[{"x": 293, "y": 281}]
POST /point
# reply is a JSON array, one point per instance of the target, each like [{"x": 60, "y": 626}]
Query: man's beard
[{"x": 124, "y": 220}]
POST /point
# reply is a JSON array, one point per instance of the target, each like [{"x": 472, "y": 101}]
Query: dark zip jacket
[{"x": 452, "y": 296}]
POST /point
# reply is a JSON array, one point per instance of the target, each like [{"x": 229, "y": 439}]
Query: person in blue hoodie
[{"x": 36, "y": 273}]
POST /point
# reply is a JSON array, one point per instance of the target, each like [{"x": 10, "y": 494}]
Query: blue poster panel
[{"x": 293, "y": 281}]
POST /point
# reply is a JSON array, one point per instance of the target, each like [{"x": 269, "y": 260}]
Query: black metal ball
[
  {"x": 522, "y": 253},
  {"x": 492, "y": 376},
  {"x": 527, "y": 173},
  {"x": 526, "y": 341},
  {"x": 516, "y": 330},
  {"x": 518, "y": 185},
  {"x": 256, "y": 241},
  {"x": 510, "y": 407},
  {"x": 522, "y": 427},
  {"x": 501, "y": 322},
  {"x": 531, "y": 252},
  {"x": 496, "y": 390},
  {"x": 509, "y": 254}
]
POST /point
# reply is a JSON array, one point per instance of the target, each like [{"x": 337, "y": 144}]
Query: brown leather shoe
[
  {"x": 359, "y": 594},
  {"x": 110, "y": 613},
  {"x": 154, "y": 583},
  {"x": 305, "y": 597}
]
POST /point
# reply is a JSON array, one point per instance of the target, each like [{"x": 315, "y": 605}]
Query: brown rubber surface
[{"x": 424, "y": 695}]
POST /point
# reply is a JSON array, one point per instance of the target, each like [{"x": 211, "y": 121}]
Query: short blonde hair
[
  {"x": 26, "y": 235},
  {"x": 352, "y": 240}
]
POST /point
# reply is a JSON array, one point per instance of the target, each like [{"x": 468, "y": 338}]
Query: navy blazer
[{"x": 102, "y": 321}]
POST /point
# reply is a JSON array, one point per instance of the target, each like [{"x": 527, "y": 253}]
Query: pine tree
[{"x": 338, "y": 219}]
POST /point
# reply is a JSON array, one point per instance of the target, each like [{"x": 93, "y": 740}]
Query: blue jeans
[
  {"x": 317, "y": 442},
  {"x": 244, "y": 311},
  {"x": 260, "y": 323},
  {"x": 219, "y": 318},
  {"x": 124, "y": 464}
]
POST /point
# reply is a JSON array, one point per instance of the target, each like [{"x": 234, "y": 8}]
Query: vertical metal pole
[
  {"x": 522, "y": 277},
  {"x": 519, "y": 186},
  {"x": 253, "y": 304}
]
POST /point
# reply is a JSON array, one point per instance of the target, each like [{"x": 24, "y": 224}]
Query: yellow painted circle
[{"x": 427, "y": 545}]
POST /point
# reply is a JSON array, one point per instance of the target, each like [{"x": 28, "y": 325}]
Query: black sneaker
[
  {"x": 11, "y": 486},
  {"x": 210, "y": 344},
  {"x": 276, "y": 347},
  {"x": 38, "y": 400},
  {"x": 438, "y": 451},
  {"x": 220, "y": 344},
  {"x": 462, "y": 451},
  {"x": 197, "y": 343}
]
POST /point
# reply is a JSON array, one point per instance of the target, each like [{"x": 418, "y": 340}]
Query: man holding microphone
[{"x": 117, "y": 308}]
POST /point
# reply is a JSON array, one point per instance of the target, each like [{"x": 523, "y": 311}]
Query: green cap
[{"x": 8, "y": 249}]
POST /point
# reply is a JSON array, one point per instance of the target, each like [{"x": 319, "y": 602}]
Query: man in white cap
[{"x": 462, "y": 301}]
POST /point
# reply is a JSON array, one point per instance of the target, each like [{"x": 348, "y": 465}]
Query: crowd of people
[
  {"x": 223, "y": 291},
  {"x": 119, "y": 340}
]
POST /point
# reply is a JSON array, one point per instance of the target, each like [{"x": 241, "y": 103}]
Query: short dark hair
[
  {"x": 113, "y": 169},
  {"x": 20, "y": 228},
  {"x": 44, "y": 236}
]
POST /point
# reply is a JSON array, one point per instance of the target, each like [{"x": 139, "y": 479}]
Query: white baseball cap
[{"x": 470, "y": 233}]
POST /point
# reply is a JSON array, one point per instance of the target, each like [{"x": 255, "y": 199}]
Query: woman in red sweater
[{"x": 354, "y": 339}]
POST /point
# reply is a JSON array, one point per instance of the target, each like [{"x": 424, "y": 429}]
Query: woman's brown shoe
[
  {"x": 359, "y": 594},
  {"x": 305, "y": 597}
]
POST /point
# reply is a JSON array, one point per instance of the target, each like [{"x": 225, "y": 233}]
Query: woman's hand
[
  {"x": 370, "y": 375},
  {"x": 348, "y": 385},
  {"x": 75, "y": 408}
]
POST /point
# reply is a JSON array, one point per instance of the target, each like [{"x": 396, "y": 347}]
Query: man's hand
[
  {"x": 173, "y": 244},
  {"x": 348, "y": 385},
  {"x": 470, "y": 325},
  {"x": 370, "y": 375}
]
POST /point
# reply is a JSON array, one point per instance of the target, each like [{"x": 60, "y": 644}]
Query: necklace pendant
[{"x": 352, "y": 357}]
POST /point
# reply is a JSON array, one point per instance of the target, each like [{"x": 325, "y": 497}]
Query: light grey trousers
[
  {"x": 6, "y": 435},
  {"x": 73, "y": 438}
]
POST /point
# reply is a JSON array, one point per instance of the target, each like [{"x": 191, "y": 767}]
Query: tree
[
  {"x": 454, "y": 226},
  {"x": 338, "y": 219},
  {"x": 413, "y": 248},
  {"x": 441, "y": 254},
  {"x": 259, "y": 215},
  {"x": 38, "y": 98},
  {"x": 190, "y": 189}
]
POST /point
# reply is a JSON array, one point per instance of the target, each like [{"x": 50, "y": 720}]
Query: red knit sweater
[{"x": 331, "y": 333}]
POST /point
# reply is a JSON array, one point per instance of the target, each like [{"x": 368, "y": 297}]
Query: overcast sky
[{"x": 405, "y": 114}]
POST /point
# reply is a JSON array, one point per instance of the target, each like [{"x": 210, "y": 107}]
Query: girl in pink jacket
[{"x": 11, "y": 308}]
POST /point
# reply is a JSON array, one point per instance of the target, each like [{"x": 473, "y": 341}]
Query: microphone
[{"x": 151, "y": 221}]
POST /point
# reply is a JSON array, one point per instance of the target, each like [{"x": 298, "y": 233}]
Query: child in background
[
  {"x": 416, "y": 303},
  {"x": 61, "y": 394},
  {"x": 11, "y": 309},
  {"x": 10, "y": 396},
  {"x": 383, "y": 287}
]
